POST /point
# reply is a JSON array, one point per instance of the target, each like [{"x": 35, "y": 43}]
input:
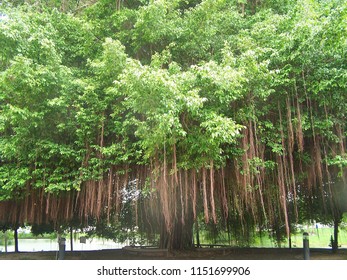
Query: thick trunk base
[{"x": 181, "y": 237}]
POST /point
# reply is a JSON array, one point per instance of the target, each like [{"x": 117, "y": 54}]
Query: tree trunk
[
  {"x": 16, "y": 240},
  {"x": 71, "y": 238},
  {"x": 197, "y": 234},
  {"x": 118, "y": 5},
  {"x": 180, "y": 238},
  {"x": 335, "y": 243},
  {"x": 163, "y": 241}
]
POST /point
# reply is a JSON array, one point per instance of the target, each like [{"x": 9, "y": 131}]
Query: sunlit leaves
[
  {"x": 35, "y": 100},
  {"x": 13, "y": 181}
]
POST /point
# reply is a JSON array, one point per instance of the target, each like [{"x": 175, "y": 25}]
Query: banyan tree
[{"x": 253, "y": 135}]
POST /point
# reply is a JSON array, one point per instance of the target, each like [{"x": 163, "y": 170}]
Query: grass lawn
[{"x": 319, "y": 238}]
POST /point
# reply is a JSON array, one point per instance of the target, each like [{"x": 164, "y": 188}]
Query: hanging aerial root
[
  {"x": 204, "y": 192},
  {"x": 299, "y": 132},
  {"x": 281, "y": 184},
  {"x": 212, "y": 202},
  {"x": 194, "y": 192}
]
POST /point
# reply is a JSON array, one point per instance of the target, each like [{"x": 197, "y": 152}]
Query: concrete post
[
  {"x": 62, "y": 244},
  {"x": 306, "y": 246}
]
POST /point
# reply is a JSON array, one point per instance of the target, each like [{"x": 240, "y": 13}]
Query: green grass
[
  {"x": 318, "y": 239},
  {"x": 321, "y": 238}
]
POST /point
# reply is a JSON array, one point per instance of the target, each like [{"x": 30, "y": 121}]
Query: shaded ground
[{"x": 203, "y": 254}]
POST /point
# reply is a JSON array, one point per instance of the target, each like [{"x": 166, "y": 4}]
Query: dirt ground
[{"x": 196, "y": 254}]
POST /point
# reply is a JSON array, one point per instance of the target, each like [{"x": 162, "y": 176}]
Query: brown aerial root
[
  {"x": 283, "y": 196},
  {"x": 290, "y": 156},
  {"x": 109, "y": 192},
  {"x": 204, "y": 192},
  {"x": 164, "y": 188},
  {"x": 223, "y": 194},
  {"x": 299, "y": 132},
  {"x": 186, "y": 194},
  {"x": 282, "y": 175},
  {"x": 342, "y": 139},
  {"x": 213, "y": 208},
  {"x": 194, "y": 191},
  {"x": 181, "y": 197}
]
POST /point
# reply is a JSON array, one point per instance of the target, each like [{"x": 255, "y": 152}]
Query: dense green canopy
[{"x": 234, "y": 110}]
